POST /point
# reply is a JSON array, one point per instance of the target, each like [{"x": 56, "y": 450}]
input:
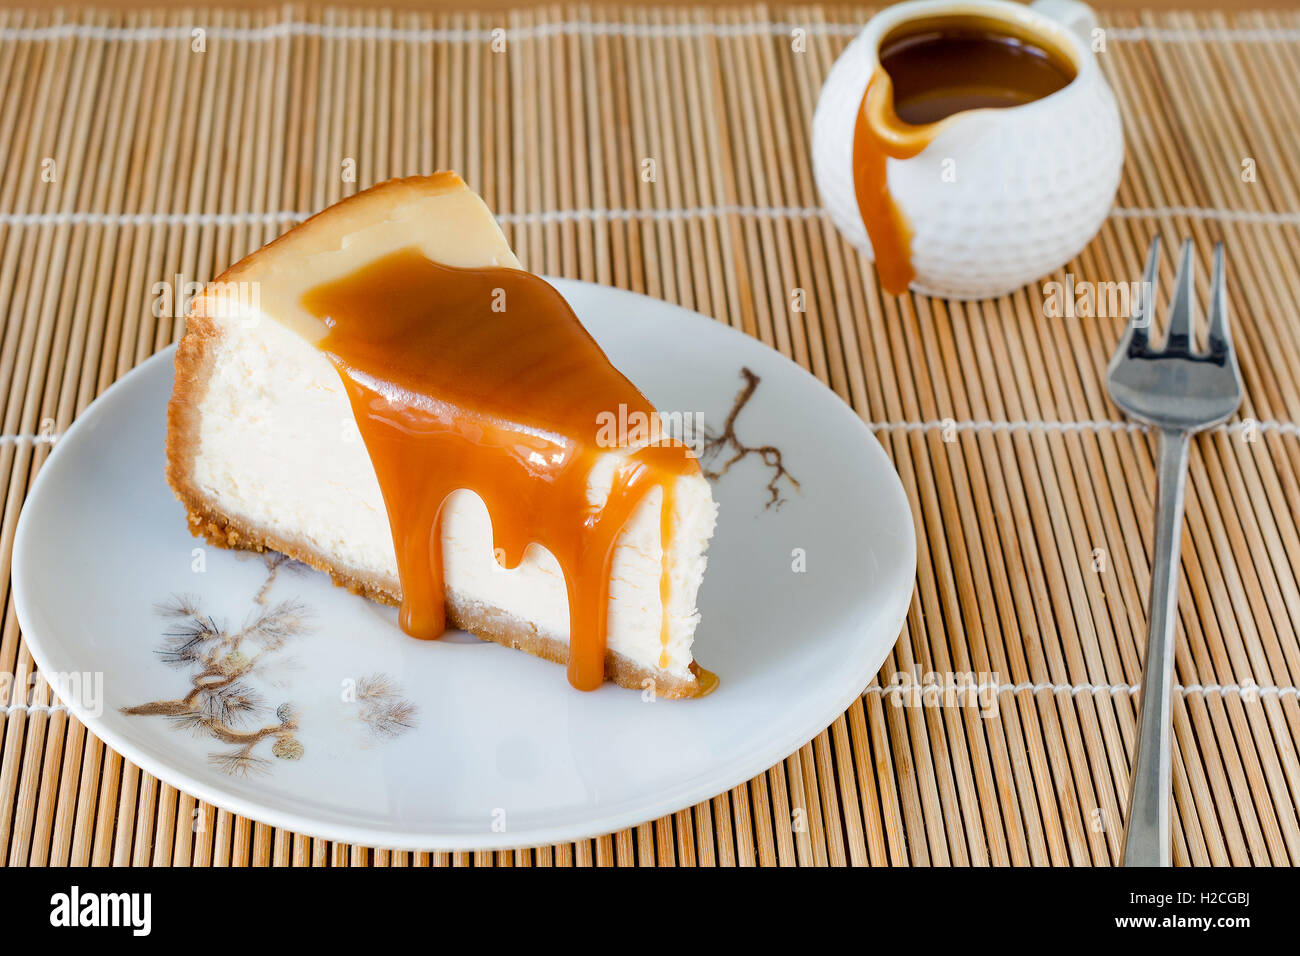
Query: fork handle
[{"x": 1148, "y": 839}]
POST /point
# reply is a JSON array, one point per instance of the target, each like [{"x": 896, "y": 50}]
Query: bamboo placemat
[{"x": 137, "y": 151}]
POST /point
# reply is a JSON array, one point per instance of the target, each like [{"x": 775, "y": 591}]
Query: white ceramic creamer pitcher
[{"x": 986, "y": 200}]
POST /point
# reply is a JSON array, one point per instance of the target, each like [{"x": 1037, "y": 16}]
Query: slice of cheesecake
[{"x": 384, "y": 394}]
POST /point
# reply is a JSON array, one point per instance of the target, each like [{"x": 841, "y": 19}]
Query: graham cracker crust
[{"x": 483, "y": 621}]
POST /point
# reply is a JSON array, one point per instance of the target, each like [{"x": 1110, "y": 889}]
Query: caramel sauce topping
[
  {"x": 930, "y": 70},
  {"x": 485, "y": 379}
]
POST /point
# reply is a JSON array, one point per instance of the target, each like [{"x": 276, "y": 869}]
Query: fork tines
[{"x": 1182, "y": 310}]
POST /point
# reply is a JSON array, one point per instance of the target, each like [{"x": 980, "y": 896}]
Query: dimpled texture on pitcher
[{"x": 999, "y": 199}]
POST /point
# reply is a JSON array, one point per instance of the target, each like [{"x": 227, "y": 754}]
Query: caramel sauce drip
[
  {"x": 665, "y": 572},
  {"x": 930, "y": 70},
  {"x": 891, "y": 235},
  {"x": 484, "y": 379}
]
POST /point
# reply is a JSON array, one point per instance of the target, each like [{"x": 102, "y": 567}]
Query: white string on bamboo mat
[
  {"x": 559, "y": 216},
  {"x": 1247, "y": 691},
  {"x": 967, "y": 425},
  {"x": 45, "y": 438},
  {"x": 294, "y": 28},
  {"x": 939, "y": 425}
]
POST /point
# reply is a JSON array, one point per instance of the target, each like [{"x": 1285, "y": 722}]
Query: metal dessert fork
[{"x": 1179, "y": 392}]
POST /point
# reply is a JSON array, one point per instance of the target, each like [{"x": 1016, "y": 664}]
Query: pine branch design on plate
[{"x": 222, "y": 702}]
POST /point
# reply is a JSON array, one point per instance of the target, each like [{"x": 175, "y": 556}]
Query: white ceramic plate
[{"x": 369, "y": 737}]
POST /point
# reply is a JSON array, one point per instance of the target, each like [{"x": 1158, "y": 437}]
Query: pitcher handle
[{"x": 1072, "y": 14}]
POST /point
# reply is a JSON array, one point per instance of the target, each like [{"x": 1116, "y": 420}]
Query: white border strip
[
  {"x": 595, "y": 214},
  {"x": 584, "y": 29}
]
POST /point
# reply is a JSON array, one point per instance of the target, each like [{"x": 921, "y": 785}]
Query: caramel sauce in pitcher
[
  {"x": 485, "y": 379},
  {"x": 930, "y": 70}
]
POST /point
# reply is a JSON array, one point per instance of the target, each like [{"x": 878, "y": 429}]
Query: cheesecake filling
[{"x": 416, "y": 343}]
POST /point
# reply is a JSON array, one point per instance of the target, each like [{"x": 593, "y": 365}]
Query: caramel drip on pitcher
[
  {"x": 930, "y": 70},
  {"x": 484, "y": 379},
  {"x": 887, "y": 226}
]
